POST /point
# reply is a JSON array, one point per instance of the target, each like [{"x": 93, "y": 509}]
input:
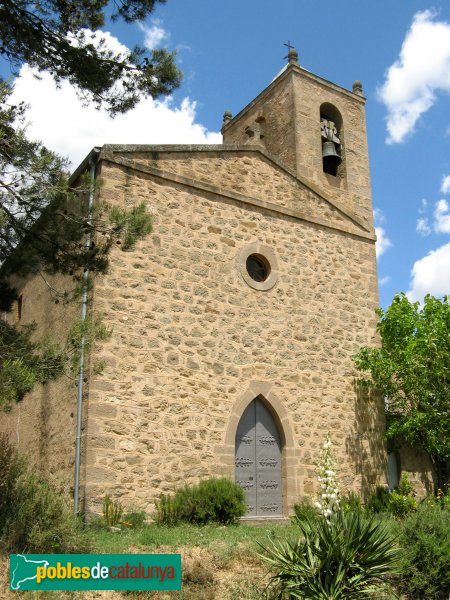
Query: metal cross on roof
[{"x": 289, "y": 47}]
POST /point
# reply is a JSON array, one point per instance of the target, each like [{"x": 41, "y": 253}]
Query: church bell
[{"x": 331, "y": 159}]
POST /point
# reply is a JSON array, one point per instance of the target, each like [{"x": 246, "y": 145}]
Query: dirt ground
[{"x": 206, "y": 576}]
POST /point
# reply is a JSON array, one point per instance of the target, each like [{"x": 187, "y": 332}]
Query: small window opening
[{"x": 257, "y": 267}]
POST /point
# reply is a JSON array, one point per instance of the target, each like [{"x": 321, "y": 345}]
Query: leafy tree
[
  {"x": 58, "y": 36},
  {"x": 24, "y": 362},
  {"x": 412, "y": 371},
  {"x": 47, "y": 227},
  {"x": 46, "y": 224}
]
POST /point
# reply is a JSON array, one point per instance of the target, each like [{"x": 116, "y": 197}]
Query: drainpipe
[{"x": 92, "y": 162}]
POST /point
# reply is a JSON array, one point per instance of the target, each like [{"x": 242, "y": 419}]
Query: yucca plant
[{"x": 347, "y": 557}]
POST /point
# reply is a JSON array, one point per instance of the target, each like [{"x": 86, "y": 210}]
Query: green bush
[
  {"x": 426, "y": 567},
  {"x": 33, "y": 515},
  {"x": 112, "y": 511},
  {"x": 349, "y": 556},
  {"x": 134, "y": 520},
  {"x": 304, "y": 510},
  {"x": 404, "y": 487},
  {"x": 378, "y": 501},
  {"x": 212, "y": 500},
  {"x": 401, "y": 505},
  {"x": 351, "y": 502}
]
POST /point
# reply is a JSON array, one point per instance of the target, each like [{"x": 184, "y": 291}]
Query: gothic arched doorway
[{"x": 258, "y": 460}]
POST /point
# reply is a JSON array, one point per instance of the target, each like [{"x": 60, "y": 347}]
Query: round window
[{"x": 257, "y": 267}]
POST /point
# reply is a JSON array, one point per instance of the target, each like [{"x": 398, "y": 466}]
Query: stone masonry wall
[
  {"x": 43, "y": 423},
  {"x": 190, "y": 336}
]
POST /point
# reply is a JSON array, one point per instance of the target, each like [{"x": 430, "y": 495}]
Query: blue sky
[{"x": 229, "y": 52}]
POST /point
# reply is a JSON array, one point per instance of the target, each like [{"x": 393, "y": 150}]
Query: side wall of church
[
  {"x": 43, "y": 423},
  {"x": 191, "y": 338}
]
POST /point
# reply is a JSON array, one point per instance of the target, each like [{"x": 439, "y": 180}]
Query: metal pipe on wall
[{"x": 84, "y": 305}]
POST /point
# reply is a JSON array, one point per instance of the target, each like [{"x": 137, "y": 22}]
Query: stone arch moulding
[{"x": 226, "y": 452}]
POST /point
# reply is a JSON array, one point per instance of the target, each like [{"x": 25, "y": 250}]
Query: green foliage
[
  {"x": 304, "y": 510},
  {"x": 401, "y": 499},
  {"x": 134, "y": 520},
  {"x": 426, "y": 563},
  {"x": 51, "y": 36},
  {"x": 11, "y": 468},
  {"x": 212, "y": 500},
  {"x": 351, "y": 502},
  {"x": 400, "y": 505},
  {"x": 345, "y": 557},
  {"x": 23, "y": 362},
  {"x": 112, "y": 511},
  {"x": 46, "y": 224},
  {"x": 46, "y": 227},
  {"x": 404, "y": 487},
  {"x": 378, "y": 501},
  {"x": 168, "y": 510},
  {"x": 133, "y": 225},
  {"x": 33, "y": 515},
  {"x": 89, "y": 331},
  {"x": 412, "y": 371}
]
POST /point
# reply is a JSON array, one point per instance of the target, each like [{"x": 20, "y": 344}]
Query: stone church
[{"x": 235, "y": 321}]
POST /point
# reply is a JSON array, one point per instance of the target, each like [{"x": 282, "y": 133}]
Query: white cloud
[
  {"x": 423, "y": 206},
  {"x": 154, "y": 35},
  {"x": 59, "y": 119},
  {"x": 383, "y": 242},
  {"x": 442, "y": 217},
  {"x": 423, "y": 227},
  {"x": 384, "y": 280},
  {"x": 422, "y": 70},
  {"x": 445, "y": 185},
  {"x": 431, "y": 274},
  {"x": 378, "y": 216}
]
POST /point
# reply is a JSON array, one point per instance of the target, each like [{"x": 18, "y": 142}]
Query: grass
[
  {"x": 152, "y": 537},
  {"x": 218, "y": 561}
]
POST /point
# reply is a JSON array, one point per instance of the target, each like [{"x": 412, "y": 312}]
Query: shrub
[
  {"x": 112, "y": 511},
  {"x": 378, "y": 501},
  {"x": 351, "y": 502},
  {"x": 401, "y": 505},
  {"x": 348, "y": 556},
  {"x": 34, "y": 517},
  {"x": 212, "y": 500},
  {"x": 134, "y": 520},
  {"x": 404, "y": 487},
  {"x": 426, "y": 568},
  {"x": 12, "y": 467},
  {"x": 304, "y": 510}
]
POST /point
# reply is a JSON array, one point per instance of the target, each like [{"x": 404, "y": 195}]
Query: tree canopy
[
  {"x": 58, "y": 36},
  {"x": 412, "y": 371},
  {"x": 46, "y": 224}
]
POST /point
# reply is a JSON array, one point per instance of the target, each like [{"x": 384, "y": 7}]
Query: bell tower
[{"x": 316, "y": 129}]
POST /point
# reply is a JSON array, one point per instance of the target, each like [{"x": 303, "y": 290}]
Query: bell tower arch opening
[{"x": 331, "y": 131}]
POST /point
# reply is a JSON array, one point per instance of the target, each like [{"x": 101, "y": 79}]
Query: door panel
[
  {"x": 268, "y": 463},
  {"x": 258, "y": 460},
  {"x": 245, "y": 457}
]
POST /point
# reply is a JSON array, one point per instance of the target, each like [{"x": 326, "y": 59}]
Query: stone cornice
[
  {"x": 216, "y": 148},
  {"x": 108, "y": 155}
]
